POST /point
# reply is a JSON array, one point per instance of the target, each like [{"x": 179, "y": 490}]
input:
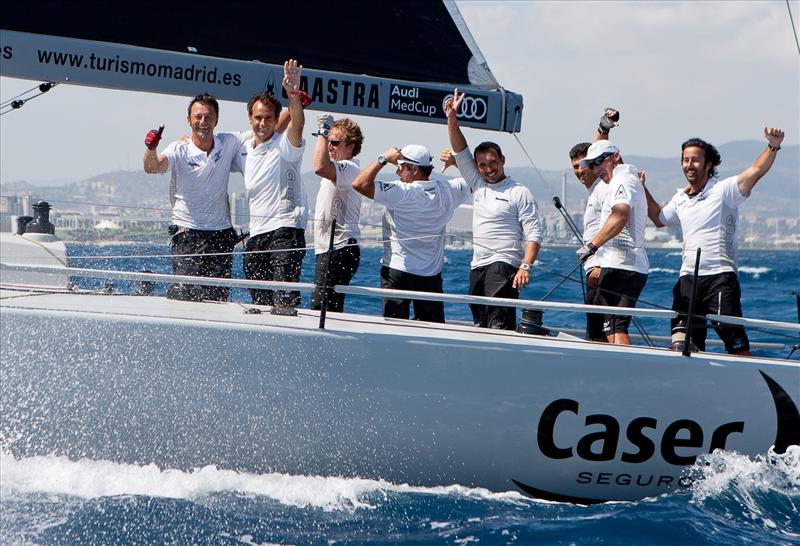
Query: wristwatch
[
  {"x": 525, "y": 266},
  {"x": 382, "y": 161}
]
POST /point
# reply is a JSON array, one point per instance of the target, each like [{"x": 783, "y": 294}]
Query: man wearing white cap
[
  {"x": 506, "y": 230},
  {"x": 591, "y": 215},
  {"x": 417, "y": 213},
  {"x": 619, "y": 243}
]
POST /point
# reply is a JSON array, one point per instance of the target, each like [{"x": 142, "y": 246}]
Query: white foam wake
[
  {"x": 756, "y": 272},
  {"x": 663, "y": 270},
  {"x": 91, "y": 479}
]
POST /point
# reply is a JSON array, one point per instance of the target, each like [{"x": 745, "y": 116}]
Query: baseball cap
[
  {"x": 415, "y": 155},
  {"x": 601, "y": 147}
]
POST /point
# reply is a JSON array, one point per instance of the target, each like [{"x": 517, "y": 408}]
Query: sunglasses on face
[
  {"x": 335, "y": 142},
  {"x": 597, "y": 161}
]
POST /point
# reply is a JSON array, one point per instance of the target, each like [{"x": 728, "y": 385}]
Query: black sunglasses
[
  {"x": 335, "y": 142},
  {"x": 597, "y": 161}
]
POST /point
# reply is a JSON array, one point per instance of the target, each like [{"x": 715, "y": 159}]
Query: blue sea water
[{"x": 741, "y": 500}]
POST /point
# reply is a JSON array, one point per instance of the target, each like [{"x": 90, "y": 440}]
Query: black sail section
[{"x": 414, "y": 40}]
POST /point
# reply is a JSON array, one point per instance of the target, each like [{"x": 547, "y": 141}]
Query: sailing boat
[{"x": 141, "y": 378}]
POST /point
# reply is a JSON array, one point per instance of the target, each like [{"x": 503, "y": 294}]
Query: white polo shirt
[
  {"x": 504, "y": 216},
  {"x": 708, "y": 221},
  {"x": 199, "y": 184},
  {"x": 415, "y": 220},
  {"x": 626, "y": 250},
  {"x": 591, "y": 217},
  {"x": 272, "y": 181},
  {"x": 337, "y": 199}
]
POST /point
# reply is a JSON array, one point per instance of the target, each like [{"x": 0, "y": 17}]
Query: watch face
[{"x": 381, "y": 160}]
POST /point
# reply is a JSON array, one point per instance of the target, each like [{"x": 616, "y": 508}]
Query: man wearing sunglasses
[
  {"x": 417, "y": 212},
  {"x": 619, "y": 243},
  {"x": 506, "y": 230},
  {"x": 591, "y": 216},
  {"x": 707, "y": 211},
  {"x": 334, "y": 160}
]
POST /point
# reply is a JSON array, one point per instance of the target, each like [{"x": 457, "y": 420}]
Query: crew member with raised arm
[
  {"x": 707, "y": 210},
  {"x": 201, "y": 220},
  {"x": 338, "y": 142},
  {"x": 591, "y": 217},
  {"x": 619, "y": 243},
  {"x": 506, "y": 230},
  {"x": 270, "y": 162},
  {"x": 417, "y": 212}
]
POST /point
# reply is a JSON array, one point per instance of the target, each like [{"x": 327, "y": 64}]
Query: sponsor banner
[
  {"x": 115, "y": 66},
  {"x": 424, "y": 101}
]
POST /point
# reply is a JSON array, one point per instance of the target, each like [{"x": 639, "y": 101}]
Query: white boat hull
[{"x": 182, "y": 385}]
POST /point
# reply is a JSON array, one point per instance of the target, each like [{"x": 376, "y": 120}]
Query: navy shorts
[
  {"x": 715, "y": 293},
  {"x": 619, "y": 288}
]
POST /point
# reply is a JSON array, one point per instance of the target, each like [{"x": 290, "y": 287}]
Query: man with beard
[
  {"x": 506, "y": 229},
  {"x": 707, "y": 210}
]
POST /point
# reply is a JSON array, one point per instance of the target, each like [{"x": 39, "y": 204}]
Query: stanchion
[{"x": 324, "y": 305}]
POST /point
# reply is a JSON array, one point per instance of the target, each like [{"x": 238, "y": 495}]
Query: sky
[{"x": 718, "y": 70}]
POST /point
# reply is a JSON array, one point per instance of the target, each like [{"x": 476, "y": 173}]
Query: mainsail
[{"x": 397, "y": 61}]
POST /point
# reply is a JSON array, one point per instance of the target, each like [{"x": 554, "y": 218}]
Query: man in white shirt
[
  {"x": 591, "y": 216},
  {"x": 270, "y": 162},
  {"x": 334, "y": 160},
  {"x": 417, "y": 212},
  {"x": 506, "y": 230},
  {"x": 707, "y": 211},
  {"x": 201, "y": 222},
  {"x": 619, "y": 243}
]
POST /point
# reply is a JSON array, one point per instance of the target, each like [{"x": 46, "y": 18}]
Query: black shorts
[
  {"x": 494, "y": 280},
  {"x": 718, "y": 293},
  {"x": 619, "y": 288},
  {"x": 276, "y": 266},
  {"x": 341, "y": 265},
  {"x": 186, "y": 242},
  {"x": 431, "y": 311},
  {"x": 594, "y": 321}
]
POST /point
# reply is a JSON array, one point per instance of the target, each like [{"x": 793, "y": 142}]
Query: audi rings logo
[{"x": 472, "y": 108}]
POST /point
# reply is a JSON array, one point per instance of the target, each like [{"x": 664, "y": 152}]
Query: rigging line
[
  {"x": 8, "y": 101},
  {"x": 794, "y": 30},
  {"x": 530, "y": 160},
  {"x": 17, "y": 104}
]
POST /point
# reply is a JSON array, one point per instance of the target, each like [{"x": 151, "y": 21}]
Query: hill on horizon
[{"x": 777, "y": 194}]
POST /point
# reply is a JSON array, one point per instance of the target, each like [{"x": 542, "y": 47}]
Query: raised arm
[
  {"x": 291, "y": 83},
  {"x": 451, "y": 107},
  {"x": 283, "y": 121},
  {"x": 323, "y": 166},
  {"x": 609, "y": 120},
  {"x": 752, "y": 174},
  {"x": 653, "y": 208},
  {"x": 154, "y": 163},
  {"x": 365, "y": 181}
]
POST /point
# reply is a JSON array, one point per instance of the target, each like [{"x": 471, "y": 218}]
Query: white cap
[
  {"x": 415, "y": 154},
  {"x": 601, "y": 147}
]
